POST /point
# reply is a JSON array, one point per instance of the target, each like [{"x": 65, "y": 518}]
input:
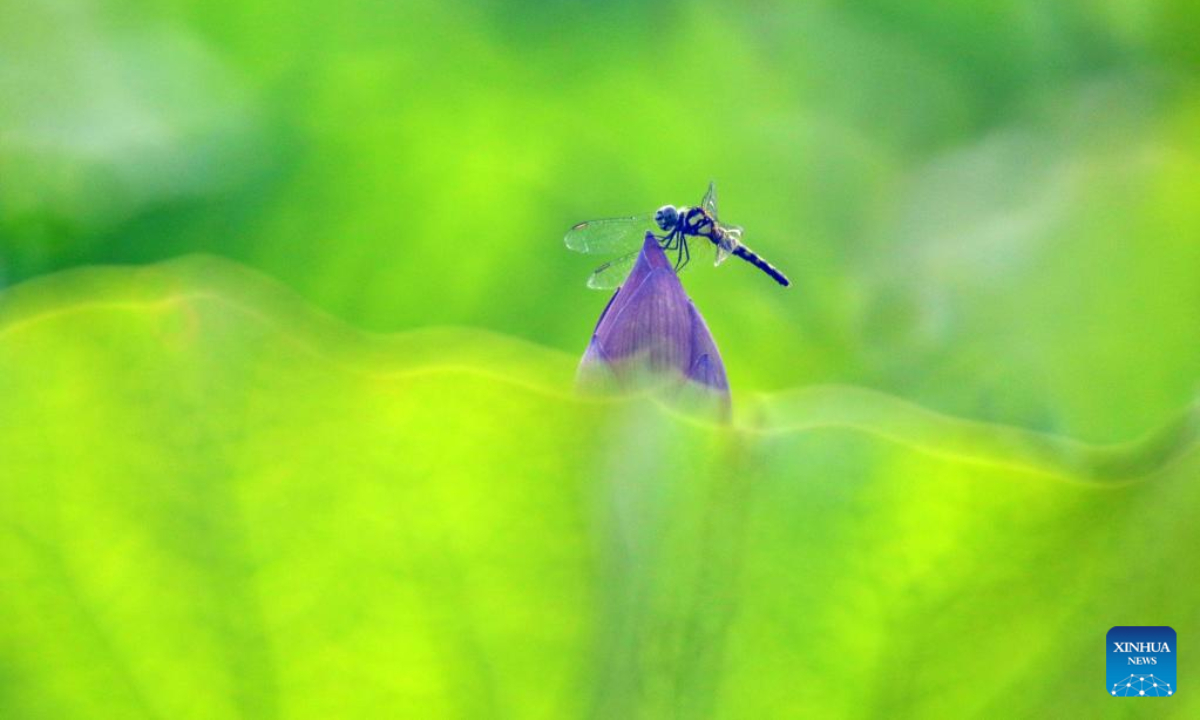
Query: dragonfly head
[{"x": 667, "y": 217}]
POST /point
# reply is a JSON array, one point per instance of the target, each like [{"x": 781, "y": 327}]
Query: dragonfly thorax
[{"x": 697, "y": 221}]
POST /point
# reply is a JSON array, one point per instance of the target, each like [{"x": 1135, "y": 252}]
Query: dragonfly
[{"x": 679, "y": 225}]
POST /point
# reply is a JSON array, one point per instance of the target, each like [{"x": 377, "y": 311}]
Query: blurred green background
[
  {"x": 987, "y": 207},
  {"x": 988, "y": 210}
]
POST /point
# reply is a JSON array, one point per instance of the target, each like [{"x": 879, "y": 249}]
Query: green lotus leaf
[{"x": 217, "y": 503}]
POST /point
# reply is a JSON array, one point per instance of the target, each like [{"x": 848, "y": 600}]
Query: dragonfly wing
[
  {"x": 732, "y": 239},
  {"x": 709, "y": 203},
  {"x": 610, "y": 235},
  {"x": 612, "y": 273}
]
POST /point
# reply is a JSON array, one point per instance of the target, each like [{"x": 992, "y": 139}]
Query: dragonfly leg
[{"x": 683, "y": 255}]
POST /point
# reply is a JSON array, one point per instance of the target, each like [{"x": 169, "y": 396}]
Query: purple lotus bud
[{"x": 651, "y": 329}]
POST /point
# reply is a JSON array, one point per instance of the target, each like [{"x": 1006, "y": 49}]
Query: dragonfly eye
[{"x": 666, "y": 217}]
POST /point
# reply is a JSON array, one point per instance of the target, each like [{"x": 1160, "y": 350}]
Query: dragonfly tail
[{"x": 751, "y": 257}]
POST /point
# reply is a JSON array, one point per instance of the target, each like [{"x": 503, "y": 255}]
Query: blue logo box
[{"x": 1141, "y": 661}]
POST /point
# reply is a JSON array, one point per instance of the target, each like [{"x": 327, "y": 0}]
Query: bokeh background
[{"x": 988, "y": 209}]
